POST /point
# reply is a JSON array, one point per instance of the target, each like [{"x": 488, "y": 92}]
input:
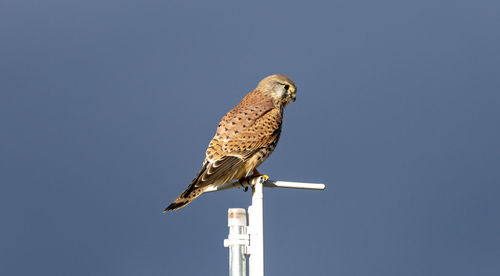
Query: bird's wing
[{"x": 250, "y": 126}]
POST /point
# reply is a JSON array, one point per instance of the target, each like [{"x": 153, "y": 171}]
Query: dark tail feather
[
  {"x": 185, "y": 198},
  {"x": 177, "y": 204},
  {"x": 189, "y": 194}
]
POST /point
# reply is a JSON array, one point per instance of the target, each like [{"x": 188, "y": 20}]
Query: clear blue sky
[{"x": 107, "y": 108}]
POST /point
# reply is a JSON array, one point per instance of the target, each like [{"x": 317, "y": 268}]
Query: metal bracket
[{"x": 237, "y": 239}]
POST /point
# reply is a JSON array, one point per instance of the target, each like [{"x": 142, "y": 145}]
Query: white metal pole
[
  {"x": 237, "y": 241},
  {"x": 252, "y": 244},
  {"x": 256, "y": 228}
]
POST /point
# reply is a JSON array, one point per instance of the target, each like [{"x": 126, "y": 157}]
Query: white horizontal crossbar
[
  {"x": 267, "y": 183},
  {"x": 294, "y": 185}
]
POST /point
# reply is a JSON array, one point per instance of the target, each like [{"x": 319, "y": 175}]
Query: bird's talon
[{"x": 241, "y": 180}]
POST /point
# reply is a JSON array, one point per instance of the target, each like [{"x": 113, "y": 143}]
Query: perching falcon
[{"x": 246, "y": 136}]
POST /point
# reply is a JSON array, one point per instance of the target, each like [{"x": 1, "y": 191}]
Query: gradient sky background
[{"x": 107, "y": 108}]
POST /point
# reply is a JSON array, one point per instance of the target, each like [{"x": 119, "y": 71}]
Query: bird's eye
[{"x": 287, "y": 87}]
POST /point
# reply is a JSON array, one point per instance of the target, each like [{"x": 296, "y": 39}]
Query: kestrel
[{"x": 245, "y": 137}]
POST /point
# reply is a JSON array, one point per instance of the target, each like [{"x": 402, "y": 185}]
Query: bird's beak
[{"x": 293, "y": 96}]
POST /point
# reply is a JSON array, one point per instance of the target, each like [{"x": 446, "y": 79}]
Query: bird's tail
[
  {"x": 185, "y": 198},
  {"x": 194, "y": 190}
]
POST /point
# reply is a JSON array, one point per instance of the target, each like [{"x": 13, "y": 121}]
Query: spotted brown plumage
[{"x": 245, "y": 137}]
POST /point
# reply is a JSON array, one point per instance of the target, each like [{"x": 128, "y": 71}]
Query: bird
[{"x": 244, "y": 138}]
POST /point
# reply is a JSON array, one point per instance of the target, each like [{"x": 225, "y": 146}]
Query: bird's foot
[
  {"x": 256, "y": 173},
  {"x": 246, "y": 181}
]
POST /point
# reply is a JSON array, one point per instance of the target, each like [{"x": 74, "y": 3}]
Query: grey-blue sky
[{"x": 107, "y": 107}]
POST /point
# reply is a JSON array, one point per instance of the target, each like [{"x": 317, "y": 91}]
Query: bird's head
[{"x": 280, "y": 88}]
